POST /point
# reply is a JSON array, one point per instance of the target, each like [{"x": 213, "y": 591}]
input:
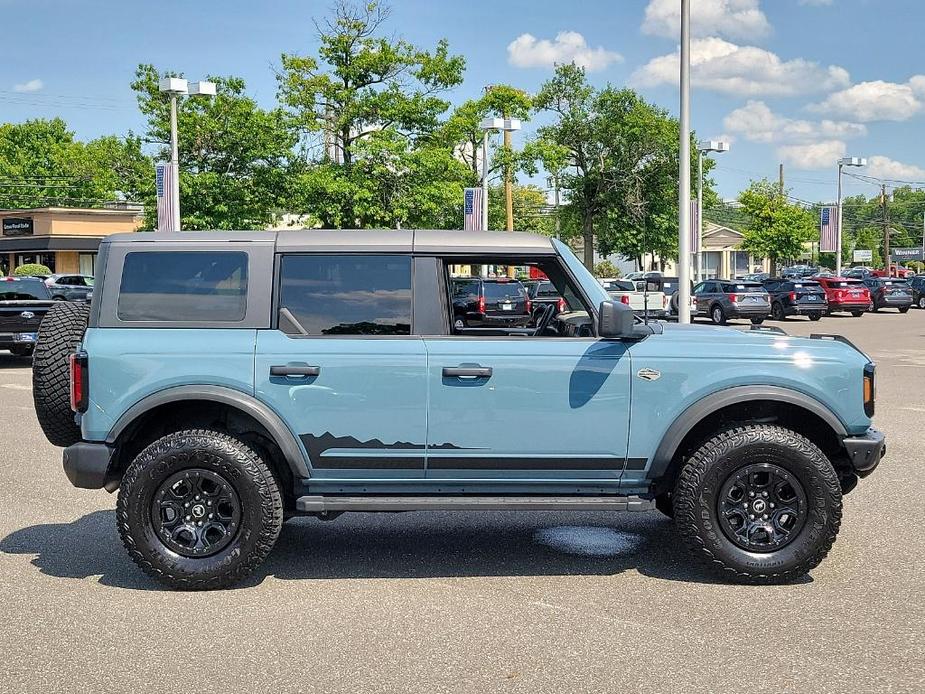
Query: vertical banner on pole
[
  {"x": 472, "y": 209},
  {"x": 828, "y": 229},
  {"x": 695, "y": 226},
  {"x": 163, "y": 182}
]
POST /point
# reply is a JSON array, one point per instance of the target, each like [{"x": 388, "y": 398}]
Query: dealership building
[{"x": 65, "y": 239}]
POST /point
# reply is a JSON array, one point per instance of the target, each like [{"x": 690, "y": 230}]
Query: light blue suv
[{"x": 226, "y": 381}]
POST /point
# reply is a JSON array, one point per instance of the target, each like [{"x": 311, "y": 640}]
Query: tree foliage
[
  {"x": 42, "y": 164},
  {"x": 616, "y": 159},
  {"x": 778, "y": 229},
  {"x": 531, "y": 209},
  {"x": 862, "y": 227}
]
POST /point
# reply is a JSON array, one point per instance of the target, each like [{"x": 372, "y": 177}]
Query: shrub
[
  {"x": 31, "y": 269},
  {"x": 606, "y": 269}
]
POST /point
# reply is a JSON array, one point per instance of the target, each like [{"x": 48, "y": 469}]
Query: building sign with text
[
  {"x": 18, "y": 226},
  {"x": 900, "y": 255}
]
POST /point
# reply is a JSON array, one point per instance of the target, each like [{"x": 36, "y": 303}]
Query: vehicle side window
[
  {"x": 699, "y": 288},
  {"x": 346, "y": 295},
  {"x": 179, "y": 286},
  {"x": 772, "y": 286}
]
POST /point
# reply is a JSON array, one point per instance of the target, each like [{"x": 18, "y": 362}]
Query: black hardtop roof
[{"x": 358, "y": 240}]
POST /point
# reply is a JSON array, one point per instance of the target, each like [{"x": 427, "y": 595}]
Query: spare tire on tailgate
[{"x": 60, "y": 332}]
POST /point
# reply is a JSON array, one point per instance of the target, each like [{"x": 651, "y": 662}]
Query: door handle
[
  {"x": 467, "y": 372},
  {"x": 295, "y": 370}
]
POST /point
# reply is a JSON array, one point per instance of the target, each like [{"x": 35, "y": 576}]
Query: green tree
[
  {"x": 863, "y": 222},
  {"x": 619, "y": 172},
  {"x": 368, "y": 107},
  {"x": 777, "y": 228},
  {"x": 606, "y": 269},
  {"x": 42, "y": 164},
  {"x": 235, "y": 157},
  {"x": 532, "y": 211}
]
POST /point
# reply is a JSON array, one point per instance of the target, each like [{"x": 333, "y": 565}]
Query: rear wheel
[
  {"x": 758, "y": 321},
  {"x": 198, "y": 510},
  {"x": 857, "y": 314},
  {"x": 760, "y": 502},
  {"x": 718, "y": 315},
  {"x": 904, "y": 309},
  {"x": 921, "y": 303},
  {"x": 777, "y": 311},
  {"x": 60, "y": 332},
  {"x": 815, "y": 315}
]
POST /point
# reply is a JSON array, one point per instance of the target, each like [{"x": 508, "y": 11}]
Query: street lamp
[
  {"x": 844, "y": 161},
  {"x": 489, "y": 125},
  {"x": 703, "y": 147},
  {"x": 174, "y": 87}
]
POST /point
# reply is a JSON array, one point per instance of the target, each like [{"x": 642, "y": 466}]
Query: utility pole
[
  {"x": 684, "y": 174},
  {"x": 555, "y": 186},
  {"x": 886, "y": 230},
  {"x": 508, "y": 188},
  {"x": 780, "y": 183}
]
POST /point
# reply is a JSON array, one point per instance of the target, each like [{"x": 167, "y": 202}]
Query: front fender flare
[
  {"x": 248, "y": 404},
  {"x": 704, "y": 407}
]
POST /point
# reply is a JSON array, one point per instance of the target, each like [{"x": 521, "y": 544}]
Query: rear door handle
[
  {"x": 467, "y": 372},
  {"x": 295, "y": 370}
]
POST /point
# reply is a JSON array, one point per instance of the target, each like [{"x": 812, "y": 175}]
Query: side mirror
[{"x": 616, "y": 319}]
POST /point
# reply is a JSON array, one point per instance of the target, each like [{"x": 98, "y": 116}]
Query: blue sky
[{"x": 798, "y": 81}]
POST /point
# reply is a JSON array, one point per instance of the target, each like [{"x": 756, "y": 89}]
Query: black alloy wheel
[
  {"x": 777, "y": 311},
  {"x": 761, "y": 507},
  {"x": 196, "y": 512}
]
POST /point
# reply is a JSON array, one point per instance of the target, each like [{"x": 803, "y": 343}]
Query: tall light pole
[
  {"x": 174, "y": 87},
  {"x": 488, "y": 126},
  {"x": 703, "y": 147},
  {"x": 845, "y": 161},
  {"x": 684, "y": 166}
]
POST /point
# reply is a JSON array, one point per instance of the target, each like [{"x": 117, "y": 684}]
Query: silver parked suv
[{"x": 724, "y": 299}]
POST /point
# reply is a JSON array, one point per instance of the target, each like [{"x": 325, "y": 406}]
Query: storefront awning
[{"x": 39, "y": 244}]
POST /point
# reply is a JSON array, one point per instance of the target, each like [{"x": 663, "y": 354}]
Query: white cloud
[
  {"x": 741, "y": 70},
  {"x": 877, "y": 100},
  {"x": 30, "y": 86},
  {"x": 568, "y": 47},
  {"x": 737, "y": 19},
  {"x": 883, "y": 167},
  {"x": 819, "y": 155},
  {"x": 758, "y": 123}
]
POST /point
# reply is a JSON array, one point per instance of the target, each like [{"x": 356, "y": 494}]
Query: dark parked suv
[
  {"x": 490, "y": 303},
  {"x": 889, "y": 292},
  {"x": 795, "y": 297},
  {"x": 724, "y": 299},
  {"x": 918, "y": 290}
]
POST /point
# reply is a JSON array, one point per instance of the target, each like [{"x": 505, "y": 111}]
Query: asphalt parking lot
[{"x": 444, "y": 602}]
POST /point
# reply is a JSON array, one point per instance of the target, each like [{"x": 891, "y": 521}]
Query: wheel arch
[
  {"x": 800, "y": 411},
  {"x": 226, "y": 399}
]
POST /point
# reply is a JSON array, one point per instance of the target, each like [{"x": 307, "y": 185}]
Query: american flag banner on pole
[
  {"x": 163, "y": 180},
  {"x": 695, "y": 226},
  {"x": 472, "y": 209},
  {"x": 828, "y": 229}
]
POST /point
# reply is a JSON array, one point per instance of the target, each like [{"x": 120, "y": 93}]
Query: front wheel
[
  {"x": 759, "y": 501},
  {"x": 718, "y": 315},
  {"x": 198, "y": 510}
]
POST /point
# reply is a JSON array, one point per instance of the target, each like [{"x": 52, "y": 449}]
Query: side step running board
[{"x": 319, "y": 504}]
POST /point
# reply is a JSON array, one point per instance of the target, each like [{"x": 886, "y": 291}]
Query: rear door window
[
  {"x": 346, "y": 295},
  {"x": 183, "y": 286}
]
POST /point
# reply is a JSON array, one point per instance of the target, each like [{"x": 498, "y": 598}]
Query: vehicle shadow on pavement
[
  {"x": 8, "y": 361},
  {"x": 409, "y": 545}
]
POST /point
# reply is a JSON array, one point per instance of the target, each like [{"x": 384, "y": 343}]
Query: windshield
[
  {"x": 588, "y": 282},
  {"x": 23, "y": 290}
]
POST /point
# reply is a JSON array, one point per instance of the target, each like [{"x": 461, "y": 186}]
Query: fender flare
[
  {"x": 247, "y": 404},
  {"x": 706, "y": 406}
]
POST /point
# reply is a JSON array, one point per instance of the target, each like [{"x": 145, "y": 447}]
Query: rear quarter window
[{"x": 183, "y": 286}]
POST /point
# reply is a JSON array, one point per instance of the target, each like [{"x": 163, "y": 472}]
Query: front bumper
[
  {"x": 88, "y": 465},
  {"x": 865, "y": 451}
]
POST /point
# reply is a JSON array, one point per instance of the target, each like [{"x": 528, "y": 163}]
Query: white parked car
[{"x": 639, "y": 295}]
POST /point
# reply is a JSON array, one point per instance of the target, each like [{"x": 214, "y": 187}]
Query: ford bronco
[{"x": 226, "y": 381}]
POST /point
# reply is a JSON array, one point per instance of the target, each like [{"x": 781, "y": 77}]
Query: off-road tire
[
  {"x": 699, "y": 484},
  {"x": 242, "y": 468},
  {"x": 60, "y": 332},
  {"x": 674, "y": 303}
]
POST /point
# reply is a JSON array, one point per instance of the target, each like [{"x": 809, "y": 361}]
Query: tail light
[
  {"x": 560, "y": 305},
  {"x": 529, "y": 306},
  {"x": 734, "y": 297},
  {"x": 79, "y": 371},
  {"x": 625, "y": 299},
  {"x": 869, "y": 391},
  {"x": 793, "y": 296},
  {"x": 481, "y": 304}
]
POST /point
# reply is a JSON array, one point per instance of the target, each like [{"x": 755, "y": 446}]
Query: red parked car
[{"x": 845, "y": 294}]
